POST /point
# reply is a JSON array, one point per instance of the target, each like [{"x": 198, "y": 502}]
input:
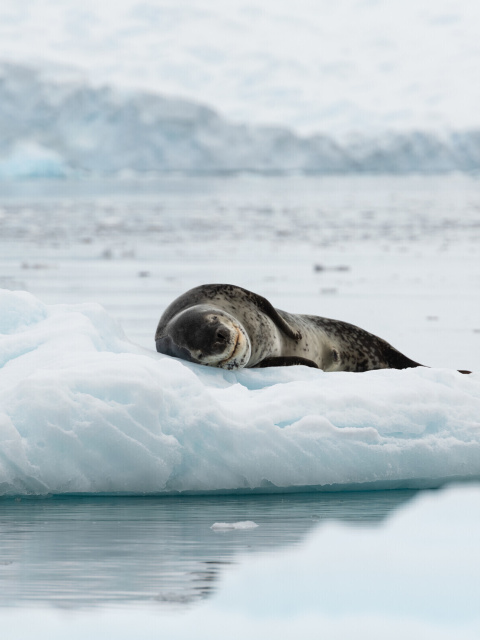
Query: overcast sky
[{"x": 312, "y": 65}]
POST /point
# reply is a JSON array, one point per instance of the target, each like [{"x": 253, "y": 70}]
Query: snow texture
[
  {"x": 52, "y": 128},
  {"x": 82, "y": 409}
]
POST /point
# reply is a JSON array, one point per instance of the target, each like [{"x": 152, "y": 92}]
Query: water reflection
[{"x": 85, "y": 552}]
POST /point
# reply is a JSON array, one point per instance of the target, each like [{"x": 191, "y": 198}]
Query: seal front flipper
[
  {"x": 286, "y": 361},
  {"x": 269, "y": 310}
]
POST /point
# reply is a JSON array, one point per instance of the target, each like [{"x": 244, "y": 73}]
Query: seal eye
[{"x": 222, "y": 335}]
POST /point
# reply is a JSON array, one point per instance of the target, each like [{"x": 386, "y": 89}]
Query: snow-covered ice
[
  {"x": 82, "y": 409},
  {"x": 423, "y": 563}
]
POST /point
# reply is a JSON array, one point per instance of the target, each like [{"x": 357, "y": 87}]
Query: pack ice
[{"x": 83, "y": 409}]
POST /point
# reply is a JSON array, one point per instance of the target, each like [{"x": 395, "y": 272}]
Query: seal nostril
[{"x": 222, "y": 335}]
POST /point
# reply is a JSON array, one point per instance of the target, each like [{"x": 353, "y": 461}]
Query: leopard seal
[{"x": 222, "y": 325}]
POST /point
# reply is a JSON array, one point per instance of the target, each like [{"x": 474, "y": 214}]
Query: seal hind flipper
[
  {"x": 396, "y": 360},
  {"x": 286, "y": 361}
]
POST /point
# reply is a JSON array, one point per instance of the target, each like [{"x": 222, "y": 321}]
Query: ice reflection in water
[{"x": 86, "y": 552}]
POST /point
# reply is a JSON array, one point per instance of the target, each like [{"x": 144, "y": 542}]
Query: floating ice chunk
[
  {"x": 228, "y": 526},
  {"x": 422, "y": 564},
  {"x": 82, "y": 409}
]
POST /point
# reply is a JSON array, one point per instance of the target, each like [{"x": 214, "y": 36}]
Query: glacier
[
  {"x": 85, "y": 410},
  {"x": 56, "y": 127}
]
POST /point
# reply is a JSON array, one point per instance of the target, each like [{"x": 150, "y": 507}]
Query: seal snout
[
  {"x": 222, "y": 335},
  {"x": 206, "y": 336},
  {"x": 219, "y": 340}
]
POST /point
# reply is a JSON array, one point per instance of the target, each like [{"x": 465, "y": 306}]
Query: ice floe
[{"x": 84, "y": 410}]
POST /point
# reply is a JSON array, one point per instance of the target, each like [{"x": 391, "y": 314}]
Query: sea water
[{"x": 162, "y": 552}]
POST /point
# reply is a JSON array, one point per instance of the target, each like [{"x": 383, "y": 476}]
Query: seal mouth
[
  {"x": 240, "y": 353},
  {"x": 233, "y": 351}
]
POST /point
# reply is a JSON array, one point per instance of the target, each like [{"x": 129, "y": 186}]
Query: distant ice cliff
[{"x": 54, "y": 128}]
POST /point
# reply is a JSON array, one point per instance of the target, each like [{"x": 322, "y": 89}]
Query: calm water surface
[{"x": 161, "y": 552}]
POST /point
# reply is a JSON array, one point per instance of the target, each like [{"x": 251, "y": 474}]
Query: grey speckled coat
[{"x": 276, "y": 337}]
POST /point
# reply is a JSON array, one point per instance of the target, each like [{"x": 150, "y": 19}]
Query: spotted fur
[{"x": 229, "y": 327}]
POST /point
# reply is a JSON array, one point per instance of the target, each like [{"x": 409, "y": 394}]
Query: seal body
[{"x": 226, "y": 326}]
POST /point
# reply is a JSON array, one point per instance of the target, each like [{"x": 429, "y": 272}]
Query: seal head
[{"x": 206, "y": 335}]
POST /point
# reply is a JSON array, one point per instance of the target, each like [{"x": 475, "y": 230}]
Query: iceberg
[
  {"x": 84, "y": 410},
  {"x": 31, "y": 160}
]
